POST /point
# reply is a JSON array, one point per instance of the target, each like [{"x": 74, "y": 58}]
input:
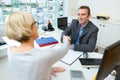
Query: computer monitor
[
  {"x": 62, "y": 23},
  {"x": 111, "y": 59}
]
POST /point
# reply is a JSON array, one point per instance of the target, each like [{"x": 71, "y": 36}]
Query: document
[{"x": 71, "y": 57}]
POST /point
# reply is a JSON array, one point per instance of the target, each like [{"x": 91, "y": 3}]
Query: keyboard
[
  {"x": 90, "y": 61},
  {"x": 76, "y": 75}
]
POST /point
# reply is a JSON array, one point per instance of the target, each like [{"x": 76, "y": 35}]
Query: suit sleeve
[{"x": 68, "y": 30}]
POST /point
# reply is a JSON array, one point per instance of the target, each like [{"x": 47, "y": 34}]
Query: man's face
[{"x": 83, "y": 16}]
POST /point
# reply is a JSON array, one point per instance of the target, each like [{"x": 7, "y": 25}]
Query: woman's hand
[{"x": 56, "y": 70}]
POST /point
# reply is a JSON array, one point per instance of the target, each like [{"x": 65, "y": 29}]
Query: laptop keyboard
[
  {"x": 90, "y": 61},
  {"x": 76, "y": 75}
]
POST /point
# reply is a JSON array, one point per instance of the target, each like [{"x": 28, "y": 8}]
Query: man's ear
[{"x": 89, "y": 15}]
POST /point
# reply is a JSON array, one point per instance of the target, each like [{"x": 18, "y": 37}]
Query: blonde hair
[{"x": 18, "y": 26}]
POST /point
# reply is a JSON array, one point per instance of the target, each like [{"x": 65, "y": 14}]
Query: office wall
[
  {"x": 72, "y": 7},
  {"x": 107, "y": 7}
]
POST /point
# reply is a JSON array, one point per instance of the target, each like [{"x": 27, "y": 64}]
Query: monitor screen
[
  {"x": 111, "y": 59},
  {"x": 62, "y": 23}
]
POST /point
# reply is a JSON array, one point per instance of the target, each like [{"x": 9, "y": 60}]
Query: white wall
[
  {"x": 107, "y": 7},
  {"x": 72, "y": 7}
]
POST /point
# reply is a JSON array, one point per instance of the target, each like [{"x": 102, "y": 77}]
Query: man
[{"x": 83, "y": 33}]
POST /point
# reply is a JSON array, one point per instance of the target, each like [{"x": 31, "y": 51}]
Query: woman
[{"x": 27, "y": 62}]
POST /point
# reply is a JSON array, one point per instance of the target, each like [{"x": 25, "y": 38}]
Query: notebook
[
  {"x": 62, "y": 23},
  {"x": 90, "y": 62},
  {"x": 71, "y": 57},
  {"x": 45, "y": 41}
]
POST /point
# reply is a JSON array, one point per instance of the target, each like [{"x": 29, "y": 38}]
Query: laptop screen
[{"x": 62, "y": 23}]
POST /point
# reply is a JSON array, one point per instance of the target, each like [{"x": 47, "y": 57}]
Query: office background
[
  {"x": 106, "y": 7},
  {"x": 44, "y": 10},
  {"x": 109, "y": 30},
  {"x": 51, "y": 9}
]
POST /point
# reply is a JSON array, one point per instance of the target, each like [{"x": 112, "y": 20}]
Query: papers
[
  {"x": 45, "y": 41},
  {"x": 11, "y": 42},
  {"x": 71, "y": 57}
]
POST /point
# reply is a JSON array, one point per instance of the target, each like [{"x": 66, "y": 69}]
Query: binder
[{"x": 45, "y": 41}]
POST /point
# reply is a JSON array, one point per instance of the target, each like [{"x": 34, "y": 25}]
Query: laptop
[
  {"x": 90, "y": 62},
  {"x": 62, "y": 23}
]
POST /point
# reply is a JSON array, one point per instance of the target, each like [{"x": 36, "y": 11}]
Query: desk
[
  {"x": 88, "y": 73},
  {"x": 56, "y": 33},
  {"x": 3, "y": 49}
]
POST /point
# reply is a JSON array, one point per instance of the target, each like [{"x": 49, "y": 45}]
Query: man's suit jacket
[{"x": 88, "y": 38}]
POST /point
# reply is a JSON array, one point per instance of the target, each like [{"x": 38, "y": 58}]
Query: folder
[{"x": 45, "y": 41}]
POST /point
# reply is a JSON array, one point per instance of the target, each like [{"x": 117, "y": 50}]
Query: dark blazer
[{"x": 87, "y": 39}]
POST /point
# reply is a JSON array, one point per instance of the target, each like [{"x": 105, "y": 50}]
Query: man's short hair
[{"x": 85, "y": 7}]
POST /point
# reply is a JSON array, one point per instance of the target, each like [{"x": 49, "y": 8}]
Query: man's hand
[
  {"x": 56, "y": 70},
  {"x": 66, "y": 38}
]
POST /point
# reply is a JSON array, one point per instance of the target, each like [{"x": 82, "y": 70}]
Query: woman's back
[{"x": 34, "y": 64}]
